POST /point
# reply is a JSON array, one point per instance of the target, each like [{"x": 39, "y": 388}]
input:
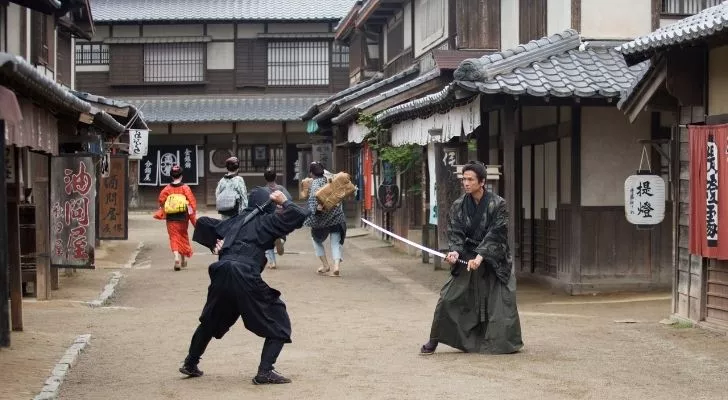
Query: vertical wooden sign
[
  {"x": 113, "y": 201},
  {"x": 73, "y": 211}
]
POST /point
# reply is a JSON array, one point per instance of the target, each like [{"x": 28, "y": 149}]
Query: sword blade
[{"x": 409, "y": 242}]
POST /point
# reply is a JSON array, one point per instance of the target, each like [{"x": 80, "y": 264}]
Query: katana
[{"x": 409, "y": 242}]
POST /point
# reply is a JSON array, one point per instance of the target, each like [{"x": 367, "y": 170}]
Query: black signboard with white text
[{"x": 155, "y": 167}]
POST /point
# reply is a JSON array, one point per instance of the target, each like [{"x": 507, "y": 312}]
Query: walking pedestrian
[
  {"x": 178, "y": 206},
  {"x": 477, "y": 311},
  {"x": 237, "y": 289},
  {"x": 270, "y": 179},
  {"x": 325, "y": 223},
  {"x": 231, "y": 195}
]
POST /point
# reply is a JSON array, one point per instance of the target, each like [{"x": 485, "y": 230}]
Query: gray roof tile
[
  {"x": 701, "y": 25},
  {"x": 560, "y": 66},
  {"x": 222, "y": 109},
  {"x": 242, "y": 10}
]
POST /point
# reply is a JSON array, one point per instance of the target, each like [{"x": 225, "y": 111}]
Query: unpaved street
[{"x": 358, "y": 336}]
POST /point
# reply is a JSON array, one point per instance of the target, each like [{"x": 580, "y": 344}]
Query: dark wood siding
[
  {"x": 478, "y": 24},
  {"x": 339, "y": 79},
  {"x": 395, "y": 41},
  {"x": 64, "y": 59},
  {"x": 42, "y": 38},
  {"x": 251, "y": 60},
  {"x": 399, "y": 64},
  {"x": 356, "y": 55},
  {"x": 532, "y": 20},
  {"x": 126, "y": 64},
  {"x": 717, "y": 292}
]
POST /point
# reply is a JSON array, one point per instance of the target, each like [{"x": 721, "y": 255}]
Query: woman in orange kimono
[{"x": 177, "y": 205}]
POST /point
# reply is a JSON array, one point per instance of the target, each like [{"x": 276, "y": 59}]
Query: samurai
[
  {"x": 477, "y": 311},
  {"x": 237, "y": 289}
]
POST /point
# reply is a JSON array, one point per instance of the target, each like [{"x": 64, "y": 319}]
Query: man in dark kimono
[
  {"x": 236, "y": 287},
  {"x": 477, "y": 310}
]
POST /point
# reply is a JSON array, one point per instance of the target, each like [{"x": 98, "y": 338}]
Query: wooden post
[
  {"x": 448, "y": 190},
  {"x": 4, "y": 309},
  {"x": 575, "y": 194},
  {"x": 41, "y": 194},
  {"x": 16, "y": 278},
  {"x": 284, "y": 163},
  {"x": 509, "y": 130}
]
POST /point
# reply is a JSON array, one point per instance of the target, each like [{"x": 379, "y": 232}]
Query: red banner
[{"x": 709, "y": 191}]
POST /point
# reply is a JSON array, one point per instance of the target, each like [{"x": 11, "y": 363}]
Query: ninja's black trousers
[{"x": 271, "y": 349}]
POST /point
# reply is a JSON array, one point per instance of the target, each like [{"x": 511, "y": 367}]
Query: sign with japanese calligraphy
[
  {"x": 138, "y": 143},
  {"x": 113, "y": 207},
  {"x": 73, "y": 211},
  {"x": 155, "y": 167},
  {"x": 644, "y": 199},
  {"x": 711, "y": 192},
  {"x": 9, "y": 164},
  {"x": 321, "y": 152},
  {"x": 388, "y": 197}
]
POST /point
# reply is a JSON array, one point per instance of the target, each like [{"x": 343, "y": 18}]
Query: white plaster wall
[
  {"x": 620, "y": 19},
  {"x": 538, "y": 183},
  {"x": 565, "y": 170},
  {"x": 718, "y": 81},
  {"x": 174, "y": 30},
  {"x": 535, "y": 117},
  {"x": 408, "y": 25},
  {"x": 526, "y": 181},
  {"x": 423, "y": 43},
  {"x": 609, "y": 153},
  {"x": 102, "y": 32},
  {"x": 509, "y": 24},
  {"x": 221, "y": 55},
  {"x": 558, "y": 16},
  {"x": 92, "y": 68},
  {"x": 126, "y": 30},
  {"x": 14, "y": 17},
  {"x": 551, "y": 171},
  {"x": 250, "y": 31},
  {"x": 298, "y": 28},
  {"x": 221, "y": 31}
]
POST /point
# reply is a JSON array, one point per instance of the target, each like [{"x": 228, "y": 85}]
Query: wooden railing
[
  {"x": 686, "y": 7},
  {"x": 403, "y": 61}
]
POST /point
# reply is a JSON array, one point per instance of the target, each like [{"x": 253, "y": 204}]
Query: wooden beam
[
  {"x": 4, "y": 310},
  {"x": 575, "y": 194},
  {"x": 576, "y": 15},
  {"x": 416, "y": 91},
  {"x": 41, "y": 194},
  {"x": 284, "y": 143},
  {"x": 16, "y": 277},
  {"x": 509, "y": 130}
]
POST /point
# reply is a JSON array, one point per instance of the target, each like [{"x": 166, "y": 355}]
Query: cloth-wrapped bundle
[
  {"x": 305, "y": 187},
  {"x": 338, "y": 188}
]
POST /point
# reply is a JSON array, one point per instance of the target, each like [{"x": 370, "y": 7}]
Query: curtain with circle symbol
[{"x": 155, "y": 167}]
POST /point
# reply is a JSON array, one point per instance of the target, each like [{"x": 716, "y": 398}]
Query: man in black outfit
[{"x": 236, "y": 287}]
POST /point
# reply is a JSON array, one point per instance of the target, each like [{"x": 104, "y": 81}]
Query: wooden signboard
[
  {"x": 73, "y": 211},
  {"x": 113, "y": 201}
]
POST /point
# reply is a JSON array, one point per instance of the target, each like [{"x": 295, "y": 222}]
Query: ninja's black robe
[
  {"x": 477, "y": 310},
  {"x": 236, "y": 287}
]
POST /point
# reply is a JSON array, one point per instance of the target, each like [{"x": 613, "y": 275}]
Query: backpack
[
  {"x": 175, "y": 204},
  {"x": 228, "y": 199}
]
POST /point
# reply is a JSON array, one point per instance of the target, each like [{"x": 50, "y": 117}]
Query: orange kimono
[{"x": 179, "y": 240}]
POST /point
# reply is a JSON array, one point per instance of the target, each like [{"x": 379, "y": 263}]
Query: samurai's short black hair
[
  {"x": 316, "y": 169},
  {"x": 478, "y": 168},
  {"x": 269, "y": 175}
]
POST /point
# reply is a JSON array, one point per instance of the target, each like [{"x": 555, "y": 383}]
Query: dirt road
[{"x": 357, "y": 337}]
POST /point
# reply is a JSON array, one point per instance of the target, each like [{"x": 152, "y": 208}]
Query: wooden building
[
  {"x": 688, "y": 78},
  {"x": 216, "y": 78},
  {"x": 41, "y": 117}
]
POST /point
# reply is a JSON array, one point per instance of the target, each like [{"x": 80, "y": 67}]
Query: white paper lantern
[{"x": 644, "y": 199}]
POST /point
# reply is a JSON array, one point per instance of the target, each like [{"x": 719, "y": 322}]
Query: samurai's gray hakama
[{"x": 477, "y": 310}]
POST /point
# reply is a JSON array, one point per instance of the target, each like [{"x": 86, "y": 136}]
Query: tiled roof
[
  {"x": 316, "y": 108},
  {"x": 241, "y": 10},
  {"x": 333, "y": 109},
  {"x": 353, "y": 111},
  {"x": 222, "y": 109},
  {"x": 701, "y": 25},
  {"x": 636, "y": 83},
  {"x": 559, "y": 65}
]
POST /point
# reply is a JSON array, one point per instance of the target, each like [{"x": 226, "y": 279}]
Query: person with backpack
[
  {"x": 177, "y": 205},
  {"x": 231, "y": 195},
  {"x": 270, "y": 179}
]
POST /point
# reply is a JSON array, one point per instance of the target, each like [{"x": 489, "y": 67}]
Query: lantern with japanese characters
[{"x": 644, "y": 199}]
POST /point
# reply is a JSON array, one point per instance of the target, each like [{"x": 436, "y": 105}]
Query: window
[
  {"x": 339, "y": 56},
  {"x": 174, "y": 62},
  {"x": 685, "y": 7},
  {"x": 247, "y": 162},
  {"x": 298, "y": 63},
  {"x": 92, "y": 54},
  {"x": 433, "y": 23}
]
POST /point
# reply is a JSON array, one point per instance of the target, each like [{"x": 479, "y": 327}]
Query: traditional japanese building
[
  {"x": 216, "y": 78},
  {"x": 687, "y": 79}
]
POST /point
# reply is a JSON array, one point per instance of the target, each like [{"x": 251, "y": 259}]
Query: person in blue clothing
[{"x": 270, "y": 179}]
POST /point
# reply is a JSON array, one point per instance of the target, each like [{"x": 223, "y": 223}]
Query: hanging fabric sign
[
  {"x": 138, "y": 143},
  {"x": 708, "y": 177},
  {"x": 155, "y": 167}
]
